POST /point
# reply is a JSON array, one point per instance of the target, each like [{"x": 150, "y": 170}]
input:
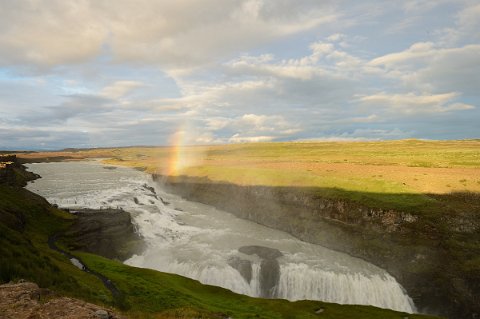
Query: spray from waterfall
[{"x": 182, "y": 155}]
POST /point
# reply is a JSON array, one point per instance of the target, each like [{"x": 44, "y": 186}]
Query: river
[{"x": 215, "y": 247}]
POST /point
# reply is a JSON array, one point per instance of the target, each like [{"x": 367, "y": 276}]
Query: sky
[{"x": 118, "y": 73}]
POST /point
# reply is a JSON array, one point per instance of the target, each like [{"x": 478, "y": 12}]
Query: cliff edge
[{"x": 431, "y": 255}]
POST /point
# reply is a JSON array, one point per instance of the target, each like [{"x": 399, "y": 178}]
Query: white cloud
[
  {"x": 412, "y": 104},
  {"x": 238, "y": 71},
  {"x": 429, "y": 68},
  {"x": 336, "y": 37},
  {"x": 48, "y": 34},
  {"x": 323, "y": 58},
  {"x": 364, "y": 135},
  {"x": 262, "y": 123},
  {"x": 466, "y": 27},
  {"x": 250, "y": 126},
  {"x": 451, "y": 69},
  {"x": 416, "y": 6},
  {"x": 119, "y": 89},
  {"x": 237, "y": 138},
  {"x": 174, "y": 34},
  {"x": 366, "y": 119},
  {"x": 417, "y": 51}
]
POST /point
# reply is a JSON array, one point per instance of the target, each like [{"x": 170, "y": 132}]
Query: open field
[
  {"x": 407, "y": 165},
  {"x": 408, "y": 169}
]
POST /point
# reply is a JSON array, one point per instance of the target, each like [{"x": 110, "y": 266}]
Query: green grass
[
  {"x": 26, "y": 221},
  {"x": 394, "y": 195},
  {"x": 380, "y": 168},
  {"x": 404, "y": 152}
]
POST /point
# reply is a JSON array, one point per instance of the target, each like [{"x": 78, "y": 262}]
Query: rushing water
[{"x": 201, "y": 242}]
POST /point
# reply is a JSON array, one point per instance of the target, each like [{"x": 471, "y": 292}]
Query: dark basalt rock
[
  {"x": 106, "y": 232},
  {"x": 269, "y": 277},
  {"x": 151, "y": 189},
  {"x": 269, "y": 268},
  {"x": 244, "y": 267},
  {"x": 13, "y": 173},
  {"x": 261, "y": 251}
]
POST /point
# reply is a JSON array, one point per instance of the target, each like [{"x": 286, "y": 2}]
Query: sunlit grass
[{"x": 381, "y": 170}]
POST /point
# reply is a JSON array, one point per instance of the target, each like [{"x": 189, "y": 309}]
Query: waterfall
[{"x": 299, "y": 281}]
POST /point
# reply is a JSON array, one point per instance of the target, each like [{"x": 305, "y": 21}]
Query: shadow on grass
[{"x": 410, "y": 202}]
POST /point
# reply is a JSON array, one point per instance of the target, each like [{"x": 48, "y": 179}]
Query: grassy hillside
[{"x": 26, "y": 222}]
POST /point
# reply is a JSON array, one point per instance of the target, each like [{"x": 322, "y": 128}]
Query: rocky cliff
[
  {"x": 13, "y": 173},
  {"x": 105, "y": 232},
  {"x": 412, "y": 247}
]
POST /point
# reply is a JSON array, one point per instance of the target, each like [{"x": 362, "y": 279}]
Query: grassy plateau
[{"x": 411, "y": 170}]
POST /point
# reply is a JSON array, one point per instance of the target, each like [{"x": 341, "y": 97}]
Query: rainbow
[
  {"x": 183, "y": 156},
  {"x": 177, "y": 157}
]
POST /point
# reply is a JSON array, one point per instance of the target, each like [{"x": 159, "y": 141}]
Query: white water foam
[
  {"x": 197, "y": 241},
  {"x": 300, "y": 281}
]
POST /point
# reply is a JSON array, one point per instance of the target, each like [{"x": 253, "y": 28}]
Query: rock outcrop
[
  {"x": 269, "y": 268},
  {"x": 13, "y": 173},
  {"x": 106, "y": 232},
  {"x": 25, "y": 300}
]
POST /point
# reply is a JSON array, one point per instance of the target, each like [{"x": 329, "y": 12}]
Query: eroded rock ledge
[
  {"x": 106, "y": 232},
  {"x": 269, "y": 267}
]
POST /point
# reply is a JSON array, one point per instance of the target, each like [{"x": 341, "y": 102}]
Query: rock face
[
  {"x": 244, "y": 267},
  {"x": 269, "y": 268},
  {"x": 107, "y": 232},
  {"x": 12, "y": 172},
  {"x": 21, "y": 301},
  {"x": 261, "y": 251},
  {"x": 407, "y": 246}
]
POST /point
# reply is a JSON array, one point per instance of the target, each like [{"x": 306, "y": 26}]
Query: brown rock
[{"x": 21, "y": 301}]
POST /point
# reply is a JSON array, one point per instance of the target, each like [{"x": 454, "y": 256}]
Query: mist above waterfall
[{"x": 200, "y": 242}]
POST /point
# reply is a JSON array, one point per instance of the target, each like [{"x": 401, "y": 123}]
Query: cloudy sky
[{"x": 117, "y": 73}]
